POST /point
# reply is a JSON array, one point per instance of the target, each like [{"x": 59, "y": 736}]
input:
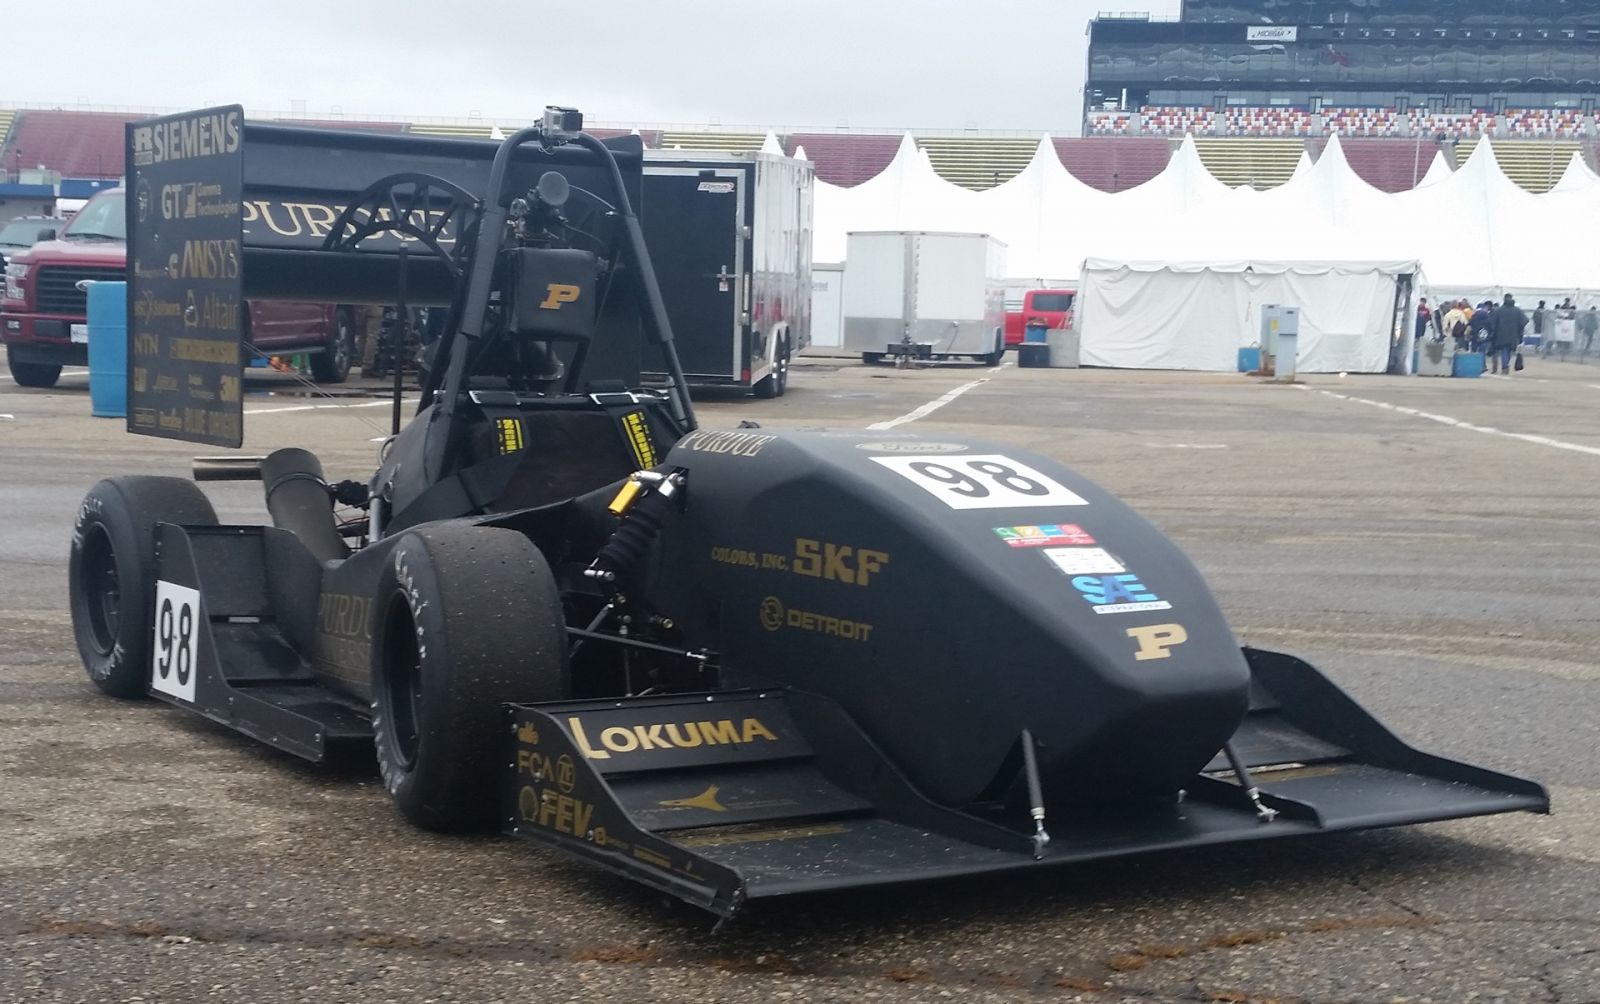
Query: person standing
[
  {"x": 1423, "y": 315},
  {"x": 1565, "y": 328},
  {"x": 1506, "y": 333},
  {"x": 1455, "y": 324},
  {"x": 1540, "y": 336},
  {"x": 1588, "y": 324}
]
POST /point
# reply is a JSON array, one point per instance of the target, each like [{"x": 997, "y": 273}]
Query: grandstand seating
[
  {"x": 1452, "y": 125},
  {"x": 844, "y": 159},
  {"x": 1533, "y": 164},
  {"x": 1361, "y": 122},
  {"x": 978, "y": 162},
  {"x": 1113, "y": 164},
  {"x": 1109, "y": 123},
  {"x": 732, "y": 142},
  {"x": 1386, "y": 164},
  {"x": 1257, "y": 162},
  {"x": 1534, "y": 123},
  {"x": 477, "y": 130},
  {"x": 1266, "y": 122},
  {"x": 7, "y": 116},
  {"x": 1168, "y": 120},
  {"x": 77, "y": 144}
]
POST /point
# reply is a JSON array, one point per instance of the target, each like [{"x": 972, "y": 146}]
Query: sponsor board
[{"x": 1272, "y": 33}]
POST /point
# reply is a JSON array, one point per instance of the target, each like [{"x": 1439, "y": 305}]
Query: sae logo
[{"x": 1117, "y": 594}]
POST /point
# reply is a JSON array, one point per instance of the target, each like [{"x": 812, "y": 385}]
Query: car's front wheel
[
  {"x": 111, "y": 573},
  {"x": 468, "y": 620}
]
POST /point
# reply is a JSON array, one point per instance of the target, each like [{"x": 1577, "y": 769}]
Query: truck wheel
[
  {"x": 775, "y": 383},
  {"x": 33, "y": 374},
  {"x": 468, "y": 619},
  {"x": 332, "y": 364},
  {"x": 111, "y": 573}
]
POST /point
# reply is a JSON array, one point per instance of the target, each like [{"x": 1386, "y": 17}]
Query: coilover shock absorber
[{"x": 646, "y": 500}]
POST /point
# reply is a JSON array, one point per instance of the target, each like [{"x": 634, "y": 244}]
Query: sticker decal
[
  {"x": 508, "y": 435},
  {"x": 1083, "y": 560},
  {"x": 644, "y": 450},
  {"x": 1155, "y": 639},
  {"x": 172, "y": 665},
  {"x": 989, "y": 481},
  {"x": 911, "y": 446},
  {"x": 1117, "y": 594},
  {"x": 1048, "y": 535}
]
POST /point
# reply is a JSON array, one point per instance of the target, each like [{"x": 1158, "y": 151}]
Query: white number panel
[
  {"x": 172, "y": 656},
  {"x": 994, "y": 481}
]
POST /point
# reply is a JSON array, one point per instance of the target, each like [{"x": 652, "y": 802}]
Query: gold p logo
[
  {"x": 1155, "y": 639},
  {"x": 557, "y": 293}
]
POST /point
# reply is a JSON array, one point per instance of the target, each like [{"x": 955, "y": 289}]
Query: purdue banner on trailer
[{"x": 185, "y": 292}]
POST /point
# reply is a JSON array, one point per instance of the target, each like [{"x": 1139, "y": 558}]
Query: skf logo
[
  {"x": 1155, "y": 639},
  {"x": 557, "y": 293}
]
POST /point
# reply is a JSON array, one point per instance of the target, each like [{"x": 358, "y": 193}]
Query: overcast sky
[{"x": 929, "y": 64}]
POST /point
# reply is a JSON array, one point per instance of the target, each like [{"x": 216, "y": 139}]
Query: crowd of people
[{"x": 1501, "y": 330}]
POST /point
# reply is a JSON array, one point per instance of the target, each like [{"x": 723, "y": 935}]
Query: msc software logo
[{"x": 558, "y": 293}]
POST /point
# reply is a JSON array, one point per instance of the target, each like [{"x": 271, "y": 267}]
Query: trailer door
[{"x": 693, "y": 222}]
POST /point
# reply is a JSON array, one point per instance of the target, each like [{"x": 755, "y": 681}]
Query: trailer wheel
[
  {"x": 332, "y": 364},
  {"x": 33, "y": 374},
  {"x": 111, "y": 573},
  {"x": 775, "y": 383},
  {"x": 468, "y": 619}
]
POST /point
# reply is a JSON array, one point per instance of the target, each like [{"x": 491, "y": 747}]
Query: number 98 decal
[
  {"x": 994, "y": 481},
  {"x": 172, "y": 657}
]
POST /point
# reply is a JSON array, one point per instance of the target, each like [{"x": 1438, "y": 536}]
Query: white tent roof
[{"x": 1577, "y": 177}]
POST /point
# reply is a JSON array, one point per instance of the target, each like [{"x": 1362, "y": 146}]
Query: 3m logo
[{"x": 558, "y": 293}]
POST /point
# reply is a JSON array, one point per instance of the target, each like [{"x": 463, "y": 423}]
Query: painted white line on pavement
[
  {"x": 939, "y": 402},
  {"x": 1187, "y": 446},
  {"x": 1459, "y": 424},
  {"x": 9, "y": 418},
  {"x": 317, "y": 407}
]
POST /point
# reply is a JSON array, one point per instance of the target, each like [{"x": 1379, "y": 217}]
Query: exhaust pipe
[{"x": 300, "y": 502}]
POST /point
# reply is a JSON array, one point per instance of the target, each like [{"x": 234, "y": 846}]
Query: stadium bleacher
[
  {"x": 1240, "y": 145},
  {"x": 1113, "y": 164},
  {"x": 75, "y": 143},
  {"x": 1258, "y": 162},
  {"x": 976, "y": 162},
  {"x": 843, "y": 159}
]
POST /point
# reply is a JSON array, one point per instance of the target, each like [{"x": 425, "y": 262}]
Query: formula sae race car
[{"x": 729, "y": 664}]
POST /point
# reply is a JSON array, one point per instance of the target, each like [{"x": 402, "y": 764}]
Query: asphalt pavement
[{"x": 1430, "y": 544}]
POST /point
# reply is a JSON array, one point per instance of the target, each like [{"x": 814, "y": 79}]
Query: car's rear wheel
[
  {"x": 332, "y": 364},
  {"x": 111, "y": 573},
  {"x": 469, "y": 619},
  {"x": 33, "y": 374}
]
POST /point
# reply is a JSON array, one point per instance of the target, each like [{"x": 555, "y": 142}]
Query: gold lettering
[
  {"x": 619, "y": 740},
  {"x": 1155, "y": 639},
  {"x": 576, "y": 725},
  {"x": 719, "y": 732},
  {"x": 557, "y": 293},
  {"x": 753, "y": 728},
  {"x": 685, "y": 736}
]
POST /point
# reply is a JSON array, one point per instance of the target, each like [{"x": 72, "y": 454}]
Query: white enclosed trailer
[
  {"x": 827, "y": 304},
  {"x": 926, "y": 295}
]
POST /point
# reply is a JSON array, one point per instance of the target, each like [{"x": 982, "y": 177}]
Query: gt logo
[
  {"x": 1155, "y": 639},
  {"x": 557, "y": 293}
]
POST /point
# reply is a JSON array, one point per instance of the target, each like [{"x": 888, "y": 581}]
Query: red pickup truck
[
  {"x": 42, "y": 312},
  {"x": 1051, "y": 307}
]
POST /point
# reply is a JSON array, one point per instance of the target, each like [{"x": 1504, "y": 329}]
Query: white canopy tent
[
  {"x": 1475, "y": 231},
  {"x": 1198, "y": 314}
]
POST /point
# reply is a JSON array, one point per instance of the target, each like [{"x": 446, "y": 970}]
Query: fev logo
[{"x": 1117, "y": 594}]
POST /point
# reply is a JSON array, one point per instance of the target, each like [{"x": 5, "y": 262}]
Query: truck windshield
[
  {"x": 22, "y": 233},
  {"x": 1053, "y": 302},
  {"x": 101, "y": 219}
]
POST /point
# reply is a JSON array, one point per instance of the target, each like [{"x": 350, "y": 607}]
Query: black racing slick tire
[
  {"x": 33, "y": 374},
  {"x": 468, "y": 620},
  {"x": 111, "y": 573},
  {"x": 332, "y": 364}
]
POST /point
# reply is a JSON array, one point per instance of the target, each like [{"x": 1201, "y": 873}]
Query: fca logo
[{"x": 1101, "y": 589}]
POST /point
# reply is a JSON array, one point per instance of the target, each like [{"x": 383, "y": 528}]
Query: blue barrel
[
  {"x": 1467, "y": 364},
  {"x": 1250, "y": 359},
  {"x": 108, "y": 349},
  {"x": 1034, "y": 334}
]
